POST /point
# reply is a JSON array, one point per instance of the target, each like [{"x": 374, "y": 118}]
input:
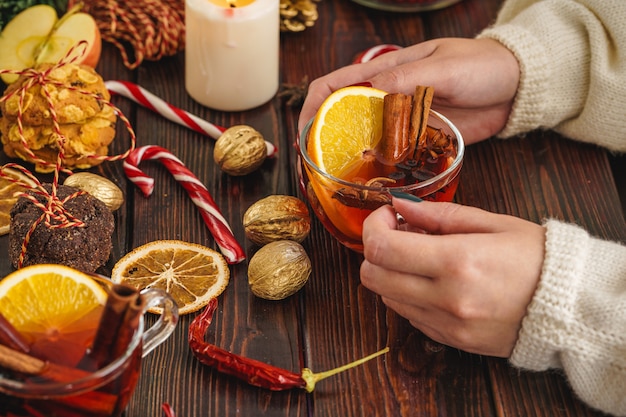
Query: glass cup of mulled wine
[
  {"x": 73, "y": 385},
  {"x": 342, "y": 204}
]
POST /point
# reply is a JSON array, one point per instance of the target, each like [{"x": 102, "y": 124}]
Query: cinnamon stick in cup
[
  {"x": 112, "y": 335},
  {"x": 130, "y": 324},
  {"x": 10, "y": 337},
  {"x": 25, "y": 364},
  {"x": 404, "y": 125},
  {"x": 133, "y": 315},
  {"x": 422, "y": 100},
  {"x": 394, "y": 144},
  {"x": 92, "y": 402},
  {"x": 40, "y": 386}
]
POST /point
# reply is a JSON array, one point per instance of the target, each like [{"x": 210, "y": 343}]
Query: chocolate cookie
[{"x": 85, "y": 248}]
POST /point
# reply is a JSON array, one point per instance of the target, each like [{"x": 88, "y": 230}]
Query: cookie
[
  {"x": 85, "y": 248},
  {"x": 76, "y": 92},
  {"x": 90, "y": 137}
]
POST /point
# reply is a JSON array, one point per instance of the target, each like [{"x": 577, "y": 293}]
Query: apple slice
[
  {"x": 24, "y": 44},
  {"x": 20, "y": 38}
]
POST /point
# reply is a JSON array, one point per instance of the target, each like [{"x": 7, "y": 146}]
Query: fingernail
[
  {"x": 405, "y": 196},
  {"x": 362, "y": 84}
]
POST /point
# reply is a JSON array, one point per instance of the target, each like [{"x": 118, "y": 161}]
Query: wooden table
[{"x": 334, "y": 320}]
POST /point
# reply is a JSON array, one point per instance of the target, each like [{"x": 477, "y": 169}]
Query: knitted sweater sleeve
[
  {"x": 571, "y": 55},
  {"x": 576, "y": 320}
]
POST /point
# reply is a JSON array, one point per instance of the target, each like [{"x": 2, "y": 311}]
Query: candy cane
[
  {"x": 142, "y": 96},
  {"x": 374, "y": 52},
  {"x": 200, "y": 196}
]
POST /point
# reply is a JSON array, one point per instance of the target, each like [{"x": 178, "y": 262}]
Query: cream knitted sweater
[{"x": 572, "y": 55}]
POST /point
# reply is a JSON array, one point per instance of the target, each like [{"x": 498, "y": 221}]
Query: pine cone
[{"x": 297, "y": 15}]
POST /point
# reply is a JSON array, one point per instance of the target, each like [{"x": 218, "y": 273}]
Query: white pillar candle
[{"x": 232, "y": 52}]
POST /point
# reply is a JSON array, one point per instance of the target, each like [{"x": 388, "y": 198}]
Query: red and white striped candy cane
[
  {"x": 217, "y": 224},
  {"x": 142, "y": 96},
  {"x": 375, "y": 51}
]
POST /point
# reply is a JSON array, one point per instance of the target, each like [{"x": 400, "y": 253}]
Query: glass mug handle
[{"x": 163, "y": 328}]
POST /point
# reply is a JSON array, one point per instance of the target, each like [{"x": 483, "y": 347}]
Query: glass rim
[
  {"x": 103, "y": 376},
  {"x": 458, "y": 160}
]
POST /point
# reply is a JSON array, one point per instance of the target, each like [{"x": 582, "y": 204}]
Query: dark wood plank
[
  {"x": 544, "y": 176},
  {"x": 334, "y": 320}
]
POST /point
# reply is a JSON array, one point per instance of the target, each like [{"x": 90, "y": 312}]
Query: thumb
[{"x": 450, "y": 218}]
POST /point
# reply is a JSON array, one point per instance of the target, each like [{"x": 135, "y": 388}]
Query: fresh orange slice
[
  {"x": 56, "y": 308},
  {"x": 342, "y": 139},
  {"x": 192, "y": 274},
  {"x": 8, "y": 196},
  {"x": 347, "y": 127}
]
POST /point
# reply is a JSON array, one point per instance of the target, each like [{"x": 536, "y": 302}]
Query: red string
[
  {"x": 153, "y": 28},
  {"x": 54, "y": 215}
]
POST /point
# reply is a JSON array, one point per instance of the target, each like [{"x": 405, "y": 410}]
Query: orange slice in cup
[
  {"x": 341, "y": 142},
  {"x": 56, "y": 308},
  {"x": 348, "y": 126}
]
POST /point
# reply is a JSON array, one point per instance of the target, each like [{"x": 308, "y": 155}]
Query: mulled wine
[
  {"x": 92, "y": 372},
  {"x": 342, "y": 204}
]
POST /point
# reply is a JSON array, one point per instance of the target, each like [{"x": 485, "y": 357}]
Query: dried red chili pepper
[{"x": 254, "y": 372}]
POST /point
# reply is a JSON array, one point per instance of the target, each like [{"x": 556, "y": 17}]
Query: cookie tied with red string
[
  {"x": 57, "y": 105},
  {"x": 73, "y": 228}
]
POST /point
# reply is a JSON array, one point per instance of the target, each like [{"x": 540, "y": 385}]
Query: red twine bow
[{"x": 53, "y": 213}]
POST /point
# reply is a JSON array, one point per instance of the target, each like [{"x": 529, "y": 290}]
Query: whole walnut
[
  {"x": 240, "y": 150},
  {"x": 279, "y": 270},
  {"x": 277, "y": 217}
]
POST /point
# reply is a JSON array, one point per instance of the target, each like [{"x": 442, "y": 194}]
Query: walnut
[
  {"x": 240, "y": 150},
  {"x": 277, "y": 217},
  {"x": 278, "y": 270}
]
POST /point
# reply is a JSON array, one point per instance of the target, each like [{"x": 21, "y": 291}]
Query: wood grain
[{"x": 335, "y": 320}]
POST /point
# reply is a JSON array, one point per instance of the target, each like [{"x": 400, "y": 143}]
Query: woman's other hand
[
  {"x": 475, "y": 81},
  {"x": 461, "y": 275}
]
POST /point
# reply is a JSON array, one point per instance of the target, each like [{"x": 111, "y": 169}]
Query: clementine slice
[
  {"x": 347, "y": 127},
  {"x": 341, "y": 141},
  {"x": 192, "y": 274},
  {"x": 56, "y": 308}
]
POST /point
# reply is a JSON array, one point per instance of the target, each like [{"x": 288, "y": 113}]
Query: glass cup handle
[{"x": 166, "y": 324}]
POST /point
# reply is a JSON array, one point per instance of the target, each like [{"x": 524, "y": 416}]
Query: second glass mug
[
  {"x": 102, "y": 393},
  {"x": 345, "y": 222}
]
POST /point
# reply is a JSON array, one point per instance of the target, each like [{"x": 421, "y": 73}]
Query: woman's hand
[
  {"x": 461, "y": 275},
  {"x": 475, "y": 81}
]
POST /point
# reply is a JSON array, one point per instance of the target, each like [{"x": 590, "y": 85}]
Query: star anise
[
  {"x": 294, "y": 93},
  {"x": 365, "y": 199}
]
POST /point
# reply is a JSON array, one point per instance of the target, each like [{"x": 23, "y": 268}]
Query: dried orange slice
[
  {"x": 8, "y": 196},
  {"x": 56, "y": 308},
  {"x": 346, "y": 127},
  {"x": 192, "y": 274}
]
